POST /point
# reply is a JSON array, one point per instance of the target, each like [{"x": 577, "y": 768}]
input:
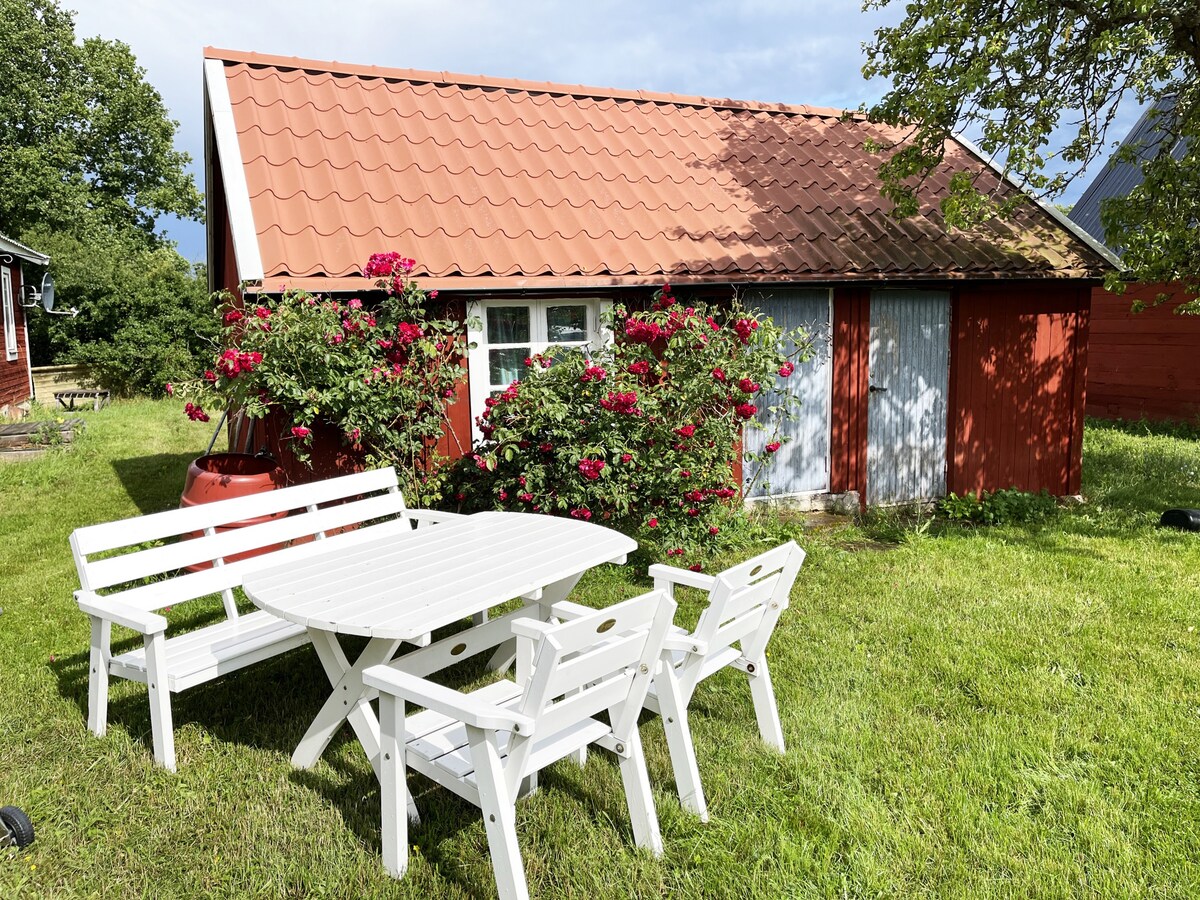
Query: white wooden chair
[
  {"x": 484, "y": 744},
  {"x": 744, "y": 605}
]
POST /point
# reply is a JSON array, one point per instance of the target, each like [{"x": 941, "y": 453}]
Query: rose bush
[
  {"x": 381, "y": 374},
  {"x": 641, "y": 435}
]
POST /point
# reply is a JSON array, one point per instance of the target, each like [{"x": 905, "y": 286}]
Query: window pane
[
  {"x": 508, "y": 325},
  {"x": 566, "y": 323},
  {"x": 506, "y": 366}
]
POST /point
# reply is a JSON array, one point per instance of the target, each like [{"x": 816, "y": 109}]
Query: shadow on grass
[{"x": 154, "y": 483}]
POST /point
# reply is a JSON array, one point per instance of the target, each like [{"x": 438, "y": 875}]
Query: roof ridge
[{"x": 516, "y": 84}]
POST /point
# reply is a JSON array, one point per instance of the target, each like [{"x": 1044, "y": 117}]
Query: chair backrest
[
  {"x": 600, "y": 661},
  {"x": 142, "y": 558},
  {"x": 743, "y": 608}
]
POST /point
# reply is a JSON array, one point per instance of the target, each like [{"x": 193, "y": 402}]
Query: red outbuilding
[
  {"x": 945, "y": 360},
  {"x": 16, "y": 377}
]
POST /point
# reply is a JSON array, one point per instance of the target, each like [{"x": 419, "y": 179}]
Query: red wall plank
[
  {"x": 1016, "y": 372},
  {"x": 15, "y": 385},
  {"x": 1146, "y": 364},
  {"x": 848, "y": 404}
]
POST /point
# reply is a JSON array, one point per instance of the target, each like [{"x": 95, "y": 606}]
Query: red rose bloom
[
  {"x": 746, "y": 410},
  {"x": 773, "y": 446}
]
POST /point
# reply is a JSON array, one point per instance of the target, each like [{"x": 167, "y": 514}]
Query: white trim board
[
  {"x": 1050, "y": 209},
  {"x": 247, "y": 255}
]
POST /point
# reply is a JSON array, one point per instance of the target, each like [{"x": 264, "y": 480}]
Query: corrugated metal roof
[
  {"x": 1119, "y": 177},
  {"x": 15, "y": 248},
  {"x": 513, "y": 182}
]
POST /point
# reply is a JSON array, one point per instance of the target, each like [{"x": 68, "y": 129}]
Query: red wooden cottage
[
  {"x": 1142, "y": 365},
  {"x": 947, "y": 360},
  {"x": 16, "y": 377}
]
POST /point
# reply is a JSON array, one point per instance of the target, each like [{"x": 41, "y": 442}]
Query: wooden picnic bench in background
[{"x": 66, "y": 399}]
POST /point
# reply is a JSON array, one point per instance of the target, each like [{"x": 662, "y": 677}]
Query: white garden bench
[{"x": 131, "y": 569}]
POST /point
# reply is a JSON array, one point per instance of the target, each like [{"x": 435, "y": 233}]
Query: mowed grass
[{"x": 1009, "y": 712}]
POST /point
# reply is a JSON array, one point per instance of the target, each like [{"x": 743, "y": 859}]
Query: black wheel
[{"x": 18, "y": 825}]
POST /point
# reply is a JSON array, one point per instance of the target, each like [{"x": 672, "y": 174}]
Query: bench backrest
[{"x": 143, "y": 558}]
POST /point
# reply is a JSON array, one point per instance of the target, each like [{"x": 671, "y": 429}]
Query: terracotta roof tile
[{"x": 475, "y": 176}]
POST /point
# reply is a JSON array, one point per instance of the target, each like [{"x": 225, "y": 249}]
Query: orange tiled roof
[{"x": 492, "y": 182}]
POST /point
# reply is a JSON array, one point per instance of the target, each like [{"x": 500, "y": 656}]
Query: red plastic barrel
[{"x": 222, "y": 476}]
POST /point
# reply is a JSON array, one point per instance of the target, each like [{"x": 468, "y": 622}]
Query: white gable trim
[
  {"x": 237, "y": 194},
  {"x": 1049, "y": 208}
]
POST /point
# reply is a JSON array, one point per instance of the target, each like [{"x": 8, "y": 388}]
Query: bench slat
[
  {"x": 157, "y": 526},
  {"x": 157, "y": 560},
  {"x": 158, "y": 594},
  {"x": 202, "y": 655}
]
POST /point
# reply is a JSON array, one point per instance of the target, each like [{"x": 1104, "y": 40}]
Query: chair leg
[
  {"x": 160, "y": 701},
  {"x": 673, "y": 712},
  {"x": 393, "y": 788},
  {"x": 98, "y": 676},
  {"x": 499, "y": 815},
  {"x": 637, "y": 795},
  {"x": 763, "y": 694}
]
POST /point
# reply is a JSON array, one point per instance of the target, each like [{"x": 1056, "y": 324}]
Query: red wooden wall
[
  {"x": 1145, "y": 364},
  {"x": 848, "y": 403},
  {"x": 15, "y": 386},
  {"x": 1018, "y": 363}
]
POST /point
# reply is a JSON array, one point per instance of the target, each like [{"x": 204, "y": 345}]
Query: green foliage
[
  {"x": 640, "y": 435},
  {"x": 144, "y": 313},
  {"x": 380, "y": 376},
  {"x": 1038, "y": 80},
  {"x": 86, "y": 139},
  {"x": 1004, "y": 507},
  {"x": 87, "y": 167}
]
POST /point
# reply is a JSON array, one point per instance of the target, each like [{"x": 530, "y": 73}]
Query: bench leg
[
  {"x": 638, "y": 796},
  {"x": 393, "y": 786},
  {"x": 348, "y": 702},
  {"x": 673, "y": 711},
  {"x": 499, "y": 815},
  {"x": 160, "y": 701},
  {"x": 765, "y": 710},
  {"x": 98, "y": 676}
]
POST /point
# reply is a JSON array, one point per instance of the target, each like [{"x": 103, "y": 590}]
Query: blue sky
[{"x": 787, "y": 51}]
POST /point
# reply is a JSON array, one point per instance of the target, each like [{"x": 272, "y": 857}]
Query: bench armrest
[
  {"x": 462, "y": 707},
  {"x": 672, "y": 575},
  {"x": 431, "y": 516},
  {"x": 121, "y": 613}
]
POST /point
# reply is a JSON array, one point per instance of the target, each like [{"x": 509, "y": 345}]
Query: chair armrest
[
  {"x": 431, "y": 516},
  {"x": 685, "y": 643},
  {"x": 121, "y": 613},
  {"x": 660, "y": 572},
  {"x": 448, "y": 702}
]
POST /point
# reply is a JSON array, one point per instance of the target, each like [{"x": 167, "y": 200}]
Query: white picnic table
[{"x": 399, "y": 589}]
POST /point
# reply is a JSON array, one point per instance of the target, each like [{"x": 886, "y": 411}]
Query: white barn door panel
[
  {"x": 907, "y": 403},
  {"x": 801, "y": 465}
]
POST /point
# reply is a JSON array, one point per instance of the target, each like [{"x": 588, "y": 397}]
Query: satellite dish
[{"x": 47, "y": 292}]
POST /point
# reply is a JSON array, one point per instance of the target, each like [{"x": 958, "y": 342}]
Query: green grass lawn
[{"x": 1008, "y": 712}]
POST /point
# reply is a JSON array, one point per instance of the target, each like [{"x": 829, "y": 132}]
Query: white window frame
[
  {"x": 599, "y": 335},
  {"x": 10, "y": 317}
]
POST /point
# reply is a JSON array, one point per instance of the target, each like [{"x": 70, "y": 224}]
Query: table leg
[
  {"x": 348, "y": 702},
  {"x": 506, "y": 653}
]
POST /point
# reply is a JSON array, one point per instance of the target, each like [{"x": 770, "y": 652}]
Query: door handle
[{"x": 876, "y": 389}]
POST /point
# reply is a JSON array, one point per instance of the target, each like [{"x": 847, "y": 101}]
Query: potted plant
[{"x": 341, "y": 384}]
